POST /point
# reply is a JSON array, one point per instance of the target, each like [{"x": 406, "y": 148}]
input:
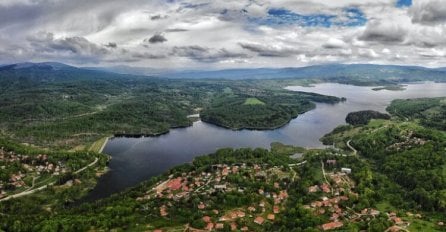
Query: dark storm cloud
[
  {"x": 111, "y": 45},
  {"x": 76, "y": 44},
  {"x": 158, "y": 38},
  {"x": 146, "y": 55},
  {"x": 158, "y": 17},
  {"x": 269, "y": 51},
  {"x": 176, "y": 30},
  {"x": 205, "y": 54}
]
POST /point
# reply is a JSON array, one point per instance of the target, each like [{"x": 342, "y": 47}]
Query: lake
[{"x": 137, "y": 159}]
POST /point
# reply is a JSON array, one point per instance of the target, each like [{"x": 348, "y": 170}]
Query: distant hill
[
  {"x": 360, "y": 74},
  {"x": 331, "y": 71},
  {"x": 33, "y": 73}
]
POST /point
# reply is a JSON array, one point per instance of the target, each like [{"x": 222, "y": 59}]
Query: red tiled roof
[
  {"x": 332, "y": 225},
  {"x": 259, "y": 220},
  {"x": 174, "y": 184}
]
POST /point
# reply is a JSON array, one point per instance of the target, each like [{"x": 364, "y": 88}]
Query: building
[
  {"x": 332, "y": 225},
  {"x": 346, "y": 170},
  {"x": 259, "y": 220}
]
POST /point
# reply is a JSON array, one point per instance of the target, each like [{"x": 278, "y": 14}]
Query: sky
[{"x": 219, "y": 34}]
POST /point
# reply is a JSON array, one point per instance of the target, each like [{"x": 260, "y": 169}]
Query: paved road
[{"x": 355, "y": 152}]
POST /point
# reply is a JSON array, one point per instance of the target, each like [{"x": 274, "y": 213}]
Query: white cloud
[{"x": 218, "y": 34}]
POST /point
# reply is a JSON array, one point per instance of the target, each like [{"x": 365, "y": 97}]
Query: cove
[{"x": 137, "y": 159}]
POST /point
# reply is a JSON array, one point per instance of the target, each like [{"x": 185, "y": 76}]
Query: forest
[
  {"x": 364, "y": 117},
  {"x": 70, "y": 107},
  {"x": 430, "y": 111},
  {"x": 268, "y": 110}
]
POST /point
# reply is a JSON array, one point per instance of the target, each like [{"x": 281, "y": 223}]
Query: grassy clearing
[
  {"x": 253, "y": 101},
  {"x": 421, "y": 225},
  {"x": 96, "y": 146}
]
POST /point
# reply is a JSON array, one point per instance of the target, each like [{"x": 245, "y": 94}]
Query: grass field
[{"x": 253, "y": 101}]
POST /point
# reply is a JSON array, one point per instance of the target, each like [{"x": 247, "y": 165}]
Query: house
[
  {"x": 210, "y": 226},
  {"x": 259, "y": 220},
  {"x": 251, "y": 209},
  {"x": 397, "y": 220},
  {"x": 219, "y": 226},
  {"x": 313, "y": 189},
  {"x": 220, "y": 186},
  {"x": 233, "y": 226},
  {"x": 346, "y": 170},
  {"x": 201, "y": 205},
  {"x": 174, "y": 184},
  {"x": 240, "y": 214},
  {"x": 163, "y": 211},
  {"x": 325, "y": 188},
  {"x": 271, "y": 217},
  {"x": 276, "y": 209},
  {"x": 332, "y": 225},
  {"x": 331, "y": 162},
  {"x": 207, "y": 219}
]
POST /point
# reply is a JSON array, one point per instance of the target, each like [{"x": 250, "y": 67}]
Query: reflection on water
[{"x": 138, "y": 159}]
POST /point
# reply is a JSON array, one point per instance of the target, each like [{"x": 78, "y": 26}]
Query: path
[
  {"x": 91, "y": 164},
  {"x": 355, "y": 152},
  {"x": 298, "y": 164},
  {"x": 31, "y": 191}
]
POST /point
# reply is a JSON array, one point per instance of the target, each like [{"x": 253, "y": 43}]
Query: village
[
  {"x": 338, "y": 188},
  {"x": 20, "y": 172},
  {"x": 220, "y": 179},
  {"x": 333, "y": 194}
]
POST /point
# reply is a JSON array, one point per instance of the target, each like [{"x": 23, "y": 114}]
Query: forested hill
[{"x": 56, "y": 105}]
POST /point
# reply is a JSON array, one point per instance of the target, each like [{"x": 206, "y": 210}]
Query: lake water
[{"x": 137, "y": 159}]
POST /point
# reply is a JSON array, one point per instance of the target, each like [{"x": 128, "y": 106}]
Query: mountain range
[{"x": 329, "y": 71}]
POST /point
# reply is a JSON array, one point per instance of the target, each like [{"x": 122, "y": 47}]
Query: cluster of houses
[
  {"x": 216, "y": 180},
  {"x": 339, "y": 189},
  {"x": 409, "y": 141},
  {"x": 28, "y": 166}
]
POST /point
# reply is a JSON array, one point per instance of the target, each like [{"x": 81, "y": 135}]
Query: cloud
[
  {"x": 223, "y": 34},
  {"x": 270, "y": 50},
  {"x": 384, "y": 31},
  {"x": 76, "y": 45},
  {"x": 428, "y": 12},
  {"x": 206, "y": 54},
  {"x": 158, "y": 38},
  {"x": 334, "y": 43},
  {"x": 111, "y": 45}
]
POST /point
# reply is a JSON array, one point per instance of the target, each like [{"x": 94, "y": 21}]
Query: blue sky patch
[
  {"x": 276, "y": 17},
  {"x": 404, "y": 3}
]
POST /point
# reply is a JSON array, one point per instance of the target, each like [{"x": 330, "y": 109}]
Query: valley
[{"x": 269, "y": 173}]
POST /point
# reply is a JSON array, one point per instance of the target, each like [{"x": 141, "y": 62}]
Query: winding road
[{"x": 355, "y": 152}]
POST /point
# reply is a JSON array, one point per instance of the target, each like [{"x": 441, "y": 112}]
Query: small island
[{"x": 390, "y": 88}]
